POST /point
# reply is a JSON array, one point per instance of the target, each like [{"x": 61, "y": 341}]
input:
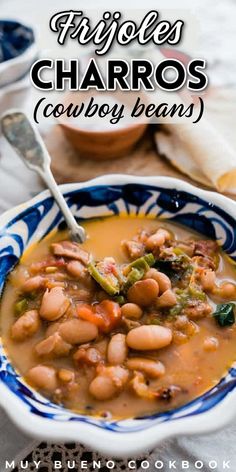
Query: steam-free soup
[{"x": 139, "y": 319}]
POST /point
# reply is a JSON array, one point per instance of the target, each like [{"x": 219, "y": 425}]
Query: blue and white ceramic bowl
[
  {"x": 211, "y": 214},
  {"x": 18, "y": 50}
]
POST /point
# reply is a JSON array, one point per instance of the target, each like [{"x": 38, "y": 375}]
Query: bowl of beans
[{"x": 130, "y": 336}]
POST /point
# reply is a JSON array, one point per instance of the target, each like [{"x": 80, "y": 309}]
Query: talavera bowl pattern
[{"x": 211, "y": 214}]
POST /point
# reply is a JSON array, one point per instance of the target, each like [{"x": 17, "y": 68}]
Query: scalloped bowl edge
[{"x": 103, "y": 439}]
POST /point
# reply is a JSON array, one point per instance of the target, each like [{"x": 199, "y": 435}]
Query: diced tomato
[
  {"x": 105, "y": 315},
  {"x": 86, "y": 312}
]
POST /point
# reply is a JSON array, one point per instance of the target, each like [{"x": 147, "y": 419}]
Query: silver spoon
[{"x": 27, "y": 142}]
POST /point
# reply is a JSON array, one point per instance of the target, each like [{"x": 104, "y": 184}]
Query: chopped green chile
[
  {"x": 120, "y": 299},
  {"x": 196, "y": 293},
  {"x": 21, "y": 306},
  {"x": 178, "y": 251},
  {"x": 192, "y": 292},
  {"x": 105, "y": 278},
  {"x": 133, "y": 276},
  {"x": 154, "y": 320},
  {"x": 143, "y": 263},
  {"x": 137, "y": 269},
  {"x": 224, "y": 314},
  {"x": 175, "y": 266}
]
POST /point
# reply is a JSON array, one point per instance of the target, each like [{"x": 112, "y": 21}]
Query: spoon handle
[
  {"x": 28, "y": 144},
  {"x": 77, "y": 231}
]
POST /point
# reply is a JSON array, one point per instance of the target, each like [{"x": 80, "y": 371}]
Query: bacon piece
[
  {"x": 90, "y": 356},
  {"x": 197, "y": 309},
  {"x": 49, "y": 261},
  {"x": 71, "y": 250},
  {"x": 53, "y": 346},
  {"x": 206, "y": 248},
  {"x": 133, "y": 248},
  {"x": 34, "y": 283}
]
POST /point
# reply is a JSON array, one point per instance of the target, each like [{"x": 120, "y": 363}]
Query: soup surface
[{"x": 137, "y": 320}]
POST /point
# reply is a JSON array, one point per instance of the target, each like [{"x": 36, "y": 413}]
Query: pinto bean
[
  {"x": 54, "y": 304},
  {"x": 181, "y": 322},
  {"x": 162, "y": 279},
  {"x": 134, "y": 249},
  {"x": 66, "y": 375},
  {"x": 157, "y": 239},
  {"x": 208, "y": 278},
  {"x": 33, "y": 283},
  {"x": 79, "y": 271},
  {"x": 179, "y": 337},
  {"x": 131, "y": 310},
  {"x": 89, "y": 356},
  {"x": 43, "y": 377},
  {"x": 53, "y": 346},
  {"x": 101, "y": 346},
  {"x": 211, "y": 343},
  {"x": 52, "y": 328},
  {"x": 76, "y": 268},
  {"x": 154, "y": 241},
  {"x": 118, "y": 374},
  {"x": 117, "y": 349},
  {"x": 102, "y": 388},
  {"x": 167, "y": 299},
  {"x": 165, "y": 233},
  {"x": 144, "y": 292},
  {"x": 75, "y": 331},
  {"x": 109, "y": 382},
  {"x": 153, "y": 369},
  {"x": 149, "y": 337},
  {"x": 227, "y": 291},
  {"x": 27, "y": 325}
]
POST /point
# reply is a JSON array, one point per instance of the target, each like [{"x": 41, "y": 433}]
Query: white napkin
[{"x": 205, "y": 152}]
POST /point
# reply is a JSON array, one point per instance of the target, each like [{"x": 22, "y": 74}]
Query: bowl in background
[
  {"x": 95, "y": 140},
  {"x": 209, "y": 213},
  {"x": 18, "y": 50}
]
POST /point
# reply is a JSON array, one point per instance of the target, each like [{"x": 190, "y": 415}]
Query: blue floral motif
[
  {"x": 170, "y": 204},
  {"x": 15, "y": 38}
]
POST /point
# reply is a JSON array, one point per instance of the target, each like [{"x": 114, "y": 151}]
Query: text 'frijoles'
[{"x": 76, "y": 26}]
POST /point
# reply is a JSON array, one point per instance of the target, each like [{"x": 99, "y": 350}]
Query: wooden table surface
[{"x": 144, "y": 160}]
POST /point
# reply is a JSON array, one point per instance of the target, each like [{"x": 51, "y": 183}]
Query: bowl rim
[
  {"x": 64, "y": 122},
  {"x": 98, "y": 438},
  {"x": 109, "y": 131},
  {"x": 119, "y": 179}
]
